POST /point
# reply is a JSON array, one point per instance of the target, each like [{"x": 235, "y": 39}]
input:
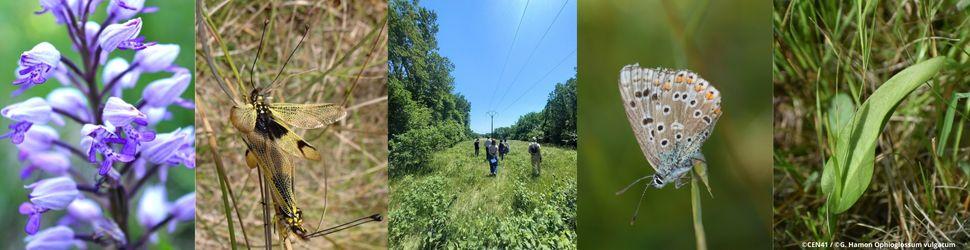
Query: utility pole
[{"x": 492, "y": 115}]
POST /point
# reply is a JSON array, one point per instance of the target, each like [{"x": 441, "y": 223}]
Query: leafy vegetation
[
  {"x": 457, "y": 206},
  {"x": 866, "y": 93},
  {"x": 556, "y": 123},
  {"x": 425, "y": 115}
]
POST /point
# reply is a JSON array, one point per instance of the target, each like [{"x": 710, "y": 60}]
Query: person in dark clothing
[
  {"x": 476, "y": 146},
  {"x": 503, "y": 148}
]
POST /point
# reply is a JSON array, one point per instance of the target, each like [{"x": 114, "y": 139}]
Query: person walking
[
  {"x": 476, "y": 146},
  {"x": 536, "y": 153},
  {"x": 503, "y": 148},
  {"x": 492, "y": 155}
]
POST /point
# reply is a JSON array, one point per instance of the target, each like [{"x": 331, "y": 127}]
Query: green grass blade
[
  {"x": 856, "y": 145},
  {"x": 695, "y": 198}
]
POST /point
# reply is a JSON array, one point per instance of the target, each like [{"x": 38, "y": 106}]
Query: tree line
[
  {"x": 424, "y": 113},
  {"x": 555, "y": 124}
]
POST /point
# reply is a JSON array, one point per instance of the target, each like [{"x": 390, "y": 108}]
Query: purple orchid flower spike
[
  {"x": 35, "y": 66},
  {"x": 59, "y": 237}
]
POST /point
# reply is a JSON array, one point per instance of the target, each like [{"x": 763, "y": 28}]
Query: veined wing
[
  {"x": 243, "y": 118},
  {"x": 263, "y": 122},
  {"x": 307, "y": 116},
  {"x": 276, "y": 166}
]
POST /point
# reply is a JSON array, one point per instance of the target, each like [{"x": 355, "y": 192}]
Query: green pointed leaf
[{"x": 856, "y": 143}]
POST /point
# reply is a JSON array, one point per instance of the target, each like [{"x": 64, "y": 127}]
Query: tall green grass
[
  {"x": 865, "y": 101},
  {"x": 455, "y": 205}
]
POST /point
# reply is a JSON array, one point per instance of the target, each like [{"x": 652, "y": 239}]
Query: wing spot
[
  {"x": 697, "y": 113},
  {"x": 647, "y": 120},
  {"x": 707, "y": 119},
  {"x": 678, "y": 136},
  {"x": 660, "y": 128},
  {"x": 666, "y": 109},
  {"x": 663, "y": 143},
  {"x": 638, "y": 94}
]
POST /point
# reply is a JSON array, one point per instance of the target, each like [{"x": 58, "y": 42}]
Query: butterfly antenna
[
  {"x": 341, "y": 227},
  {"x": 634, "y": 183},
  {"x": 306, "y": 30},
  {"x": 259, "y": 50},
  {"x": 637, "y": 211}
]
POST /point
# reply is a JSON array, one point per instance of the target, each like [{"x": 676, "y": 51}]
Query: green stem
[{"x": 695, "y": 198}]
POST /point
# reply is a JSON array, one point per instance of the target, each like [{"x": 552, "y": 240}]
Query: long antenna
[
  {"x": 252, "y": 69},
  {"x": 341, "y": 227},
  {"x": 306, "y": 30}
]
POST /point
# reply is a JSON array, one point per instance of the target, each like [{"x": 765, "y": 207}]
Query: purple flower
[
  {"x": 119, "y": 113},
  {"x": 183, "y": 210},
  {"x": 38, "y": 139},
  {"x": 84, "y": 210},
  {"x": 36, "y": 65},
  {"x": 114, "y": 68},
  {"x": 162, "y": 92},
  {"x": 59, "y": 237},
  {"x": 156, "y": 58},
  {"x": 122, "y": 35},
  {"x": 70, "y": 100},
  {"x": 125, "y": 9},
  {"x": 157, "y": 114},
  {"x": 48, "y": 194},
  {"x": 33, "y": 214},
  {"x": 51, "y": 162},
  {"x": 32, "y": 111},
  {"x": 152, "y": 208},
  {"x": 99, "y": 140},
  {"x": 53, "y": 193},
  {"x": 164, "y": 148}
]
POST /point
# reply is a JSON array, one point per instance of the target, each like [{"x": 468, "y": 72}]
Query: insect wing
[
  {"x": 243, "y": 118},
  {"x": 308, "y": 116},
  {"x": 635, "y": 91}
]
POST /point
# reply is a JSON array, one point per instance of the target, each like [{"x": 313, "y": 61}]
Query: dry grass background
[{"x": 354, "y": 151}]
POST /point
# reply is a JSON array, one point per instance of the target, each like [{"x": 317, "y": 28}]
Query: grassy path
[{"x": 457, "y": 204}]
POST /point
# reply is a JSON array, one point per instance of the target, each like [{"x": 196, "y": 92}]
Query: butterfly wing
[
  {"x": 671, "y": 112},
  {"x": 308, "y": 116},
  {"x": 635, "y": 89},
  {"x": 694, "y": 107}
]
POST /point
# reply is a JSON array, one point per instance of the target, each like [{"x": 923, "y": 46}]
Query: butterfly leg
[
  {"x": 634, "y": 183},
  {"x": 681, "y": 181}
]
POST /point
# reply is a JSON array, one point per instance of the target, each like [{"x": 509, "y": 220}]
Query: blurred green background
[
  {"x": 21, "y": 29},
  {"x": 732, "y": 49}
]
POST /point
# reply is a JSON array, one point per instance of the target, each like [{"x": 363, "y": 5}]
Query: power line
[
  {"x": 534, "y": 49},
  {"x": 538, "y": 81},
  {"x": 509, "y": 54}
]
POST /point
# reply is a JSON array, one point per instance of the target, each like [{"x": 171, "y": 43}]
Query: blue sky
[{"x": 476, "y": 36}]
